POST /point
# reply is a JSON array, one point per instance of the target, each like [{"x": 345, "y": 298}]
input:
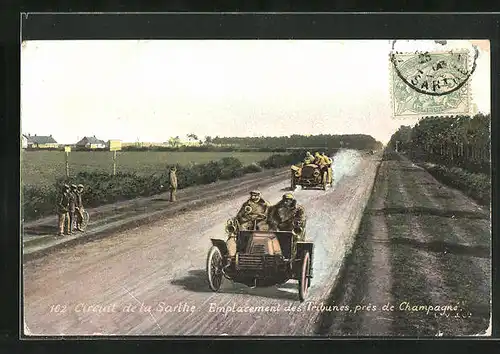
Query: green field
[{"x": 43, "y": 167}]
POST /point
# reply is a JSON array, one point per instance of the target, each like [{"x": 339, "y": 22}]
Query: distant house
[
  {"x": 91, "y": 142},
  {"x": 24, "y": 141},
  {"x": 40, "y": 142}
]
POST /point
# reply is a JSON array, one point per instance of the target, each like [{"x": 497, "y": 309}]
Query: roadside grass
[
  {"x": 406, "y": 263},
  {"x": 475, "y": 185},
  {"x": 471, "y": 288},
  {"x": 409, "y": 282}
]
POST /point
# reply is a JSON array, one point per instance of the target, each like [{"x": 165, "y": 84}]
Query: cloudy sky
[{"x": 150, "y": 90}]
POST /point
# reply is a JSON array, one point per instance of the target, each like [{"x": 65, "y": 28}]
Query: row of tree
[
  {"x": 325, "y": 141},
  {"x": 461, "y": 141}
]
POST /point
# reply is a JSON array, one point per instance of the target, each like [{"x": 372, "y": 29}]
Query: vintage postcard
[{"x": 328, "y": 188}]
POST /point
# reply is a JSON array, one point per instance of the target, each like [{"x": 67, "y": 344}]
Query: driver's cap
[
  {"x": 288, "y": 196},
  {"x": 255, "y": 192}
]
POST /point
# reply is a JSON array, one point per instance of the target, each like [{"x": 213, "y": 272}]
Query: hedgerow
[{"x": 104, "y": 188}]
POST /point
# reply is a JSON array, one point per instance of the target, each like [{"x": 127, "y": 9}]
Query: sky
[{"x": 150, "y": 90}]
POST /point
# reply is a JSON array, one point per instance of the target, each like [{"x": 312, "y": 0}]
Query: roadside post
[
  {"x": 114, "y": 145},
  {"x": 67, "y": 150}
]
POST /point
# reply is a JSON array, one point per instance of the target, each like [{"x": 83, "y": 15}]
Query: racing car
[
  {"x": 262, "y": 259},
  {"x": 310, "y": 176}
]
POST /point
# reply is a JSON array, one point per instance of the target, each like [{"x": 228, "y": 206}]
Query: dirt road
[
  {"x": 151, "y": 280},
  {"x": 421, "y": 263}
]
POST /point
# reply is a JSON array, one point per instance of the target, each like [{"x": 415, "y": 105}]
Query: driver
[
  {"x": 253, "y": 213},
  {"x": 309, "y": 158},
  {"x": 328, "y": 160},
  {"x": 318, "y": 160},
  {"x": 287, "y": 215}
]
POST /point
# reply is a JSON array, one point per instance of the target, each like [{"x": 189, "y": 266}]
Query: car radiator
[{"x": 255, "y": 262}]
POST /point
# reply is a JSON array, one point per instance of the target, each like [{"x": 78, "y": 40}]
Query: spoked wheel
[
  {"x": 325, "y": 180},
  {"x": 85, "y": 220},
  {"x": 214, "y": 268},
  {"x": 304, "y": 280}
]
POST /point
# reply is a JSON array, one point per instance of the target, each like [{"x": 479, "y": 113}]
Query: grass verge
[{"x": 475, "y": 185}]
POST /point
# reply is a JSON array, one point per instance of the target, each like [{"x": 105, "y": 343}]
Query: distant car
[
  {"x": 310, "y": 176},
  {"x": 262, "y": 259}
]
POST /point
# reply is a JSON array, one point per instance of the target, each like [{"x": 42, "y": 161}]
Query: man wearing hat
[
  {"x": 62, "y": 210},
  {"x": 253, "y": 213},
  {"x": 173, "y": 183},
  {"x": 328, "y": 160},
  {"x": 79, "y": 206},
  {"x": 287, "y": 215},
  {"x": 318, "y": 160},
  {"x": 72, "y": 208},
  {"x": 309, "y": 158}
]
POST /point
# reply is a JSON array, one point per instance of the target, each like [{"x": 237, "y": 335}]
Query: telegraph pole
[
  {"x": 114, "y": 145},
  {"x": 114, "y": 163},
  {"x": 67, "y": 150}
]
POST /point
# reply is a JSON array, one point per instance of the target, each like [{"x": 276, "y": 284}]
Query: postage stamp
[{"x": 431, "y": 83}]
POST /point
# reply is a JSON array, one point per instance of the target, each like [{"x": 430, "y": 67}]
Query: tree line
[
  {"x": 325, "y": 142},
  {"x": 459, "y": 141},
  {"x": 322, "y": 141}
]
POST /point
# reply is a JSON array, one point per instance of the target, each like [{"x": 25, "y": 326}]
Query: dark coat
[
  {"x": 63, "y": 203},
  {"x": 78, "y": 196},
  {"x": 72, "y": 201},
  {"x": 286, "y": 218},
  {"x": 261, "y": 207}
]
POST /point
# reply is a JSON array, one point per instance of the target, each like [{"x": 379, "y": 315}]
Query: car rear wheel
[
  {"x": 214, "y": 268},
  {"x": 304, "y": 280}
]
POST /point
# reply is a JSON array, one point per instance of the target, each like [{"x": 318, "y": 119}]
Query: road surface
[{"x": 151, "y": 280}]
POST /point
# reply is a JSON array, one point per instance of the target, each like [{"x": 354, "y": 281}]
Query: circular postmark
[{"x": 434, "y": 74}]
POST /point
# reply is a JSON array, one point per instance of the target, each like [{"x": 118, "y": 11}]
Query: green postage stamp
[{"x": 431, "y": 83}]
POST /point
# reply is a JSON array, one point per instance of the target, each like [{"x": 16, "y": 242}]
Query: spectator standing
[
  {"x": 63, "y": 210},
  {"x": 173, "y": 183},
  {"x": 72, "y": 208},
  {"x": 79, "y": 207}
]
